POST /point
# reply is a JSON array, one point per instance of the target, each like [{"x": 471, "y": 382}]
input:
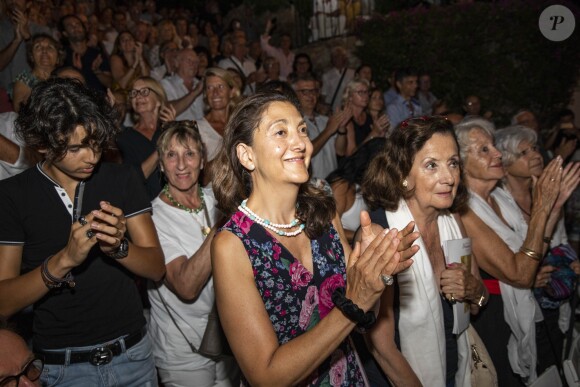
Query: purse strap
[{"x": 193, "y": 349}]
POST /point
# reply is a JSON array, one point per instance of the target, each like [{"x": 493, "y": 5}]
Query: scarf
[
  {"x": 521, "y": 311},
  {"x": 420, "y": 325}
]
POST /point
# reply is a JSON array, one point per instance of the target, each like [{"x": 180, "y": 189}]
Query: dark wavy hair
[
  {"x": 54, "y": 110},
  {"x": 232, "y": 183},
  {"x": 352, "y": 168},
  {"x": 382, "y": 184}
]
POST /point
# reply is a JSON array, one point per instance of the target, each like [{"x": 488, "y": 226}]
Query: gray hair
[
  {"x": 465, "y": 127},
  {"x": 508, "y": 139}
]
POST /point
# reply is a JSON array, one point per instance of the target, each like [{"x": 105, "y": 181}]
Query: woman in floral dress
[{"x": 280, "y": 258}]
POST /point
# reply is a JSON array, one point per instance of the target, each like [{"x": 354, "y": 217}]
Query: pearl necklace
[
  {"x": 205, "y": 230},
  {"x": 269, "y": 225}
]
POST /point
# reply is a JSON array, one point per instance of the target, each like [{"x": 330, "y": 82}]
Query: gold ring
[{"x": 452, "y": 299}]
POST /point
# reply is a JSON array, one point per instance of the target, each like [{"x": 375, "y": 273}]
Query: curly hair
[
  {"x": 382, "y": 184},
  {"x": 232, "y": 183},
  {"x": 54, "y": 110}
]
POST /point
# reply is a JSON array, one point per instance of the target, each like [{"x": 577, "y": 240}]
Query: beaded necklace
[
  {"x": 205, "y": 230},
  {"x": 272, "y": 226}
]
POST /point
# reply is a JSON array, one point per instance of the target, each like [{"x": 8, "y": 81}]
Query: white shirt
[
  {"x": 180, "y": 235},
  {"x": 325, "y": 160},
  {"x": 7, "y": 130},
  {"x": 175, "y": 89},
  {"x": 248, "y": 67},
  {"x": 212, "y": 140},
  {"x": 330, "y": 81}
]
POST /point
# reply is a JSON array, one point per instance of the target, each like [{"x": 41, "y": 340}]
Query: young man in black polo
[{"x": 73, "y": 233}]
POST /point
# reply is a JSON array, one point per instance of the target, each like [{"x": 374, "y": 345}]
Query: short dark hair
[
  {"x": 280, "y": 87},
  {"x": 232, "y": 182},
  {"x": 62, "y": 19},
  {"x": 54, "y": 110},
  {"x": 382, "y": 184},
  {"x": 404, "y": 72}
]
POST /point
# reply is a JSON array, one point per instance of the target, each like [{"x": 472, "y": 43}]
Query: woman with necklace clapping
[
  {"x": 184, "y": 214},
  {"x": 289, "y": 290}
]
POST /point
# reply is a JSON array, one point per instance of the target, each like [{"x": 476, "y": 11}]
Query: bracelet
[
  {"x": 52, "y": 282},
  {"x": 352, "y": 311},
  {"x": 341, "y": 133},
  {"x": 547, "y": 239},
  {"x": 531, "y": 253}
]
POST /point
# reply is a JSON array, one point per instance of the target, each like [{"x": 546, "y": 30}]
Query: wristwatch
[{"x": 122, "y": 251}]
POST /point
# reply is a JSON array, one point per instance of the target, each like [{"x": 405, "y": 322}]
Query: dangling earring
[{"x": 405, "y": 183}]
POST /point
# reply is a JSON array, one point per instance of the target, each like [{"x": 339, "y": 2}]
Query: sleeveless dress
[{"x": 295, "y": 299}]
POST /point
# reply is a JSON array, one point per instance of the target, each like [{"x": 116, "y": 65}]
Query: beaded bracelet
[
  {"x": 531, "y": 253},
  {"x": 351, "y": 310},
  {"x": 52, "y": 282}
]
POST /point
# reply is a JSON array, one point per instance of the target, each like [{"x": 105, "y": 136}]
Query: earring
[{"x": 405, "y": 183}]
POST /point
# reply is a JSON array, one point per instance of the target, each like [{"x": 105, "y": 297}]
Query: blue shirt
[{"x": 399, "y": 110}]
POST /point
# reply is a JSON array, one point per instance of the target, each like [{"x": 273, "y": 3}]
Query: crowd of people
[{"x": 158, "y": 170}]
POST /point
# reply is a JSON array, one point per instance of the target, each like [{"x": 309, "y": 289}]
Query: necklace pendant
[{"x": 205, "y": 231}]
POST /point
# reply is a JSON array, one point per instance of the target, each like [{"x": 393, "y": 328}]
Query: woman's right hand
[
  {"x": 547, "y": 187},
  {"x": 167, "y": 113},
  {"x": 364, "y": 285}
]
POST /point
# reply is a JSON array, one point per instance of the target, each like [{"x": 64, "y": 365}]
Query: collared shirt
[
  {"x": 176, "y": 89},
  {"x": 325, "y": 160},
  {"x": 401, "y": 109}
]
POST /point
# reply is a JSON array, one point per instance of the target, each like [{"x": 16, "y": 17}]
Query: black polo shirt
[{"x": 36, "y": 213}]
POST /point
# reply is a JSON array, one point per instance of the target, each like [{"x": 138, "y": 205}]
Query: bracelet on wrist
[
  {"x": 351, "y": 310},
  {"x": 531, "y": 253},
  {"x": 52, "y": 282},
  {"x": 343, "y": 133}
]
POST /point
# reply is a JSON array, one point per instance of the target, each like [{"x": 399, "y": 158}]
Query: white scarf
[
  {"x": 521, "y": 311},
  {"x": 421, "y": 316}
]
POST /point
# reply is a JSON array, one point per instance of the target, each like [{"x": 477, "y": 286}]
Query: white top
[
  {"x": 180, "y": 235},
  {"x": 350, "y": 219},
  {"x": 325, "y": 160},
  {"x": 248, "y": 67},
  {"x": 7, "y": 130},
  {"x": 212, "y": 139},
  {"x": 330, "y": 81},
  {"x": 175, "y": 89}
]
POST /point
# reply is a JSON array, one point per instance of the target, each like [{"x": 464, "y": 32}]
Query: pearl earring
[{"x": 405, "y": 183}]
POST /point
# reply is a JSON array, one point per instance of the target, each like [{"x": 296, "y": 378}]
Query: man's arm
[{"x": 182, "y": 104}]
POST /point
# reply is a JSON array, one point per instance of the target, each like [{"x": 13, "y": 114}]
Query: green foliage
[{"x": 494, "y": 50}]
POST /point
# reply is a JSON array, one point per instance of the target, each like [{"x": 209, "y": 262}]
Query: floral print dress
[{"x": 295, "y": 299}]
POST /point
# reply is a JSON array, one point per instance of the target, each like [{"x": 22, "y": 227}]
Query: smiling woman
[
  {"x": 281, "y": 262},
  {"x": 185, "y": 216}
]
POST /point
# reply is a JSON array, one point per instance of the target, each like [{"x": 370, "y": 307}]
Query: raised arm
[
  {"x": 495, "y": 257},
  {"x": 250, "y": 333}
]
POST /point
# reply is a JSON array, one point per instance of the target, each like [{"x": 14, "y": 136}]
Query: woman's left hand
[
  {"x": 109, "y": 226},
  {"x": 544, "y": 276},
  {"x": 570, "y": 180},
  {"x": 459, "y": 284}
]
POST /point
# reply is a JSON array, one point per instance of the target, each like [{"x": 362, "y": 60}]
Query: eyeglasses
[
  {"x": 307, "y": 92},
  {"x": 144, "y": 92},
  {"x": 527, "y": 151},
  {"x": 361, "y": 93},
  {"x": 32, "y": 371}
]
